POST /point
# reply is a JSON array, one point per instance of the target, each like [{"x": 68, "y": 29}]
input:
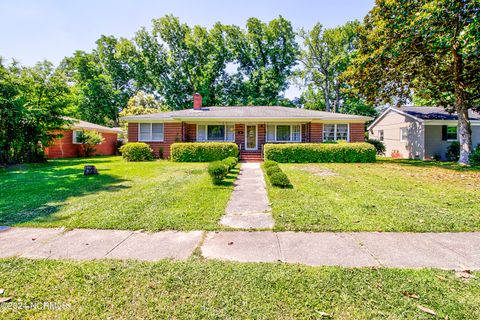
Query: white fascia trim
[
  {"x": 262, "y": 120},
  {"x": 384, "y": 113}
]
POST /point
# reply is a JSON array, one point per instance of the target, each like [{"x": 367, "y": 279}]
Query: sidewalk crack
[
  {"x": 116, "y": 246},
  {"x": 280, "y": 250},
  {"x": 366, "y": 249}
]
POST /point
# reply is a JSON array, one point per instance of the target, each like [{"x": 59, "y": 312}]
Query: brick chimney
[{"x": 197, "y": 101}]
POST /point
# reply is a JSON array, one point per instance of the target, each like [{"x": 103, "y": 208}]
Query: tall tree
[
  {"x": 264, "y": 55},
  {"x": 196, "y": 59},
  {"x": 430, "y": 47},
  {"x": 326, "y": 54},
  {"x": 98, "y": 100},
  {"x": 32, "y": 103}
]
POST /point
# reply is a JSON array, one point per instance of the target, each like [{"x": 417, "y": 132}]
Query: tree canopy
[{"x": 429, "y": 48}]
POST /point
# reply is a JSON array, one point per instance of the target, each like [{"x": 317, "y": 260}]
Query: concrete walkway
[
  {"x": 248, "y": 207},
  {"x": 459, "y": 251}
]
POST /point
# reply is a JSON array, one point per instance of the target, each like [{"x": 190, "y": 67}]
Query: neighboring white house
[{"x": 420, "y": 132}]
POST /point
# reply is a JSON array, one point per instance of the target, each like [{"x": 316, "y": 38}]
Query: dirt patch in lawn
[{"x": 318, "y": 171}]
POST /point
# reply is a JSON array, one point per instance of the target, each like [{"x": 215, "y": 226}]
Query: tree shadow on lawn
[
  {"x": 38, "y": 193},
  {"x": 430, "y": 164}
]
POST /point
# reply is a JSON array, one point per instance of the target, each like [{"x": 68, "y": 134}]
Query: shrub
[
  {"x": 231, "y": 162},
  {"x": 217, "y": 171},
  {"x": 453, "y": 151},
  {"x": 279, "y": 179},
  {"x": 202, "y": 151},
  {"x": 273, "y": 169},
  {"x": 475, "y": 157},
  {"x": 269, "y": 163},
  {"x": 89, "y": 139},
  {"x": 136, "y": 151},
  {"x": 320, "y": 152},
  {"x": 379, "y": 146}
]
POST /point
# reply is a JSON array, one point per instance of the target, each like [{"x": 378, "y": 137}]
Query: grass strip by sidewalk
[{"x": 210, "y": 289}]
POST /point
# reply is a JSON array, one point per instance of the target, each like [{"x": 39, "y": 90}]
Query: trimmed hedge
[
  {"x": 217, "y": 170},
  {"x": 276, "y": 176},
  {"x": 202, "y": 151},
  {"x": 320, "y": 152},
  {"x": 136, "y": 151}
]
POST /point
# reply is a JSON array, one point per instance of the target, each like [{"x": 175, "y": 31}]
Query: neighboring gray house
[{"x": 420, "y": 132}]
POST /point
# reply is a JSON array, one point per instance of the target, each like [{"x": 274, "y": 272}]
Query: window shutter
[{"x": 444, "y": 133}]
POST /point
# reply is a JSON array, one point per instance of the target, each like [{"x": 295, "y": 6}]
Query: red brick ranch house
[
  {"x": 250, "y": 127},
  {"x": 68, "y": 146}
]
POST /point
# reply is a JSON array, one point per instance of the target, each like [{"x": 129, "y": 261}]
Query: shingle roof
[
  {"x": 246, "y": 112},
  {"x": 435, "y": 113},
  {"x": 80, "y": 124}
]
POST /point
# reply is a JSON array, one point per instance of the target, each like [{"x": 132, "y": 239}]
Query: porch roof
[{"x": 246, "y": 112}]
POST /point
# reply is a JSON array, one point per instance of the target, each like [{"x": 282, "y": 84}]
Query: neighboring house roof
[
  {"x": 427, "y": 114},
  {"x": 436, "y": 113},
  {"x": 246, "y": 112},
  {"x": 84, "y": 125}
]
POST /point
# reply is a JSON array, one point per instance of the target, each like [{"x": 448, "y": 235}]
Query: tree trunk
[
  {"x": 465, "y": 133},
  {"x": 461, "y": 106}
]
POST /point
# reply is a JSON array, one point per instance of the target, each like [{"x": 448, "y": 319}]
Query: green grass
[
  {"x": 211, "y": 289},
  {"x": 389, "y": 195},
  {"x": 146, "y": 195}
]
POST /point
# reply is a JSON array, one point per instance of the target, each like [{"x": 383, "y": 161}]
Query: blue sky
[{"x": 52, "y": 29}]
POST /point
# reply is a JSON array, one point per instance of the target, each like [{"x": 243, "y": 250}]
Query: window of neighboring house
[
  {"x": 403, "y": 134},
  {"x": 335, "y": 132},
  {"x": 381, "y": 136},
  {"x": 216, "y": 132},
  {"x": 76, "y": 136},
  {"x": 452, "y": 133},
  {"x": 150, "y": 132},
  {"x": 284, "y": 133}
]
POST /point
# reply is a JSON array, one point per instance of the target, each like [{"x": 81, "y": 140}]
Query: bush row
[
  {"x": 320, "y": 152},
  {"x": 276, "y": 176},
  {"x": 218, "y": 170},
  {"x": 202, "y": 151}
]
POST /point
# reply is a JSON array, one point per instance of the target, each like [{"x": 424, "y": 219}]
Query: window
[
  {"x": 452, "y": 133},
  {"x": 335, "y": 132},
  {"x": 216, "y": 132},
  {"x": 150, "y": 132},
  {"x": 76, "y": 136},
  {"x": 381, "y": 137},
  {"x": 403, "y": 134},
  {"x": 284, "y": 133}
]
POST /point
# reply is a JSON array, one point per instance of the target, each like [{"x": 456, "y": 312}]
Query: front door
[{"x": 251, "y": 137}]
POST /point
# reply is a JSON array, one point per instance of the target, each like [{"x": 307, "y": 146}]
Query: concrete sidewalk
[
  {"x": 248, "y": 207},
  {"x": 458, "y": 251}
]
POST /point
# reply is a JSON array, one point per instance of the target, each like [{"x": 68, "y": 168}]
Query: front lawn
[
  {"x": 389, "y": 195},
  {"x": 146, "y": 195},
  {"x": 198, "y": 289}
]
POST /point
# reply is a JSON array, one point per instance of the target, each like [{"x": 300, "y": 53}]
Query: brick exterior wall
[
  {"x": 65, "y": 148},
  {"x": 191, "y": 132},
  {"x": 316, "y": 132},
  {"x": 357, "y": 132},
  {"x": 240, "y": 134}
]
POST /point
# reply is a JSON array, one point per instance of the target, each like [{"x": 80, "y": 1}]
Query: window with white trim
[
  {"x": 216, "y": 132},
  {"x": 403, "y": 134},
  {"x": 335, "y": 132},
  {"x": 150, "y": 132},
  {"x": 452, "y": 133},
  {"x": 76, "y": 136},
  {"x": 284, "y": 133}
]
